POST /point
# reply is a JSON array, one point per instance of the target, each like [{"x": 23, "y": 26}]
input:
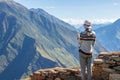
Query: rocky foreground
[{"x": 106, "y": 67}]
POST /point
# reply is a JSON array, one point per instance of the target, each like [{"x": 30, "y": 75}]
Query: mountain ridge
[
  {"x": 50, "y": 42},
  {"x": 42, "y": 41},
  {"x": 52, "y": 18},
  {"x": 109, "y": 36}
]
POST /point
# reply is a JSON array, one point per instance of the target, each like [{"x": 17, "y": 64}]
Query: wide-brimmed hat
[{"x": 87, "y": 24}]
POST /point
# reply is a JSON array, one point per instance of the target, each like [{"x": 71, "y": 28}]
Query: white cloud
[
  {"x": 73, "y": 21},
  {"x": 81, "y": 21},
  {"x": 115, "y": 4},
  {"x": 97, "y": 21}
]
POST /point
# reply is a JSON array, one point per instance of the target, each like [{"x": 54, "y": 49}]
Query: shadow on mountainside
[
  {"x": 8, "y": 29},
  {"x": 20, "y": 64}
]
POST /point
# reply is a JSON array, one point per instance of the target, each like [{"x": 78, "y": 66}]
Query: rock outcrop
[
  {"x": 57, "y": 74},
  {"x": 106, "y": 67}
]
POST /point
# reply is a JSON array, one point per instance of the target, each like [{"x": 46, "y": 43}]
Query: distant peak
[
  {"x": 6, "y": 0},
  {"x": 37, "y": 10},
  {"x": 14, "y": 4},
  {"x": 117, "y": 21}
]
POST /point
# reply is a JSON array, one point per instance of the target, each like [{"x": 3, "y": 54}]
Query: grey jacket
[{"x": 86, "y": 41}]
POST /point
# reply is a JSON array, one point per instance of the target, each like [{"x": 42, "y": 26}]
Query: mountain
[
  {"x": 33, "y": 39},
  {"x": 30, "y": 41},
  {"x": 95, "y": 26},
  {"x": 109, "y": 36},
  {"x": 53, "y": 19}
]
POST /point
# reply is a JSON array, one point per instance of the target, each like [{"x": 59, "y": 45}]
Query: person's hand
[{"x": 78, "y": 36}]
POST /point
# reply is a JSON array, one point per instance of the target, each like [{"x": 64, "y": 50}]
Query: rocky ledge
[
  {"x": 106, "y": 67},
  {"x": 56, "y": 74}
]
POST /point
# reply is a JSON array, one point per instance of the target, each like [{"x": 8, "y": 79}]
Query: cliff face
[
  {"x": 33, "y": 39},
  {"x": 23, "y": 59},
  {"x": 30, "y": 41},
  {"x": 109, "y": 36},
  {"x": 106, "y": 67}
]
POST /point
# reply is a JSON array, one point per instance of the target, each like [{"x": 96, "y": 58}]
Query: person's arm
[
  {"x": 94, "y": 39},
  {"x": 78, "y": 38},
  {"x": 93, "y": 43}
]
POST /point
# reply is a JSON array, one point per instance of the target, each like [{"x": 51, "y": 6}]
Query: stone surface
[
  {"x": 57, "y": 74},
  {"x": 106, "y": 67},
  {"x": 114, "y": 77}
]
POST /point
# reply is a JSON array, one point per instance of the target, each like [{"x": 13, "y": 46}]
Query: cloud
[
  {"x": 115, "y": 4},
  {"x": 81, "y": 21},
  {"x": 102, "y": 20},
  {"x": 73, "y": 21}
]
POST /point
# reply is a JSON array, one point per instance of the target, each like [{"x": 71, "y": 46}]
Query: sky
[{"x": 76, "y": 11}]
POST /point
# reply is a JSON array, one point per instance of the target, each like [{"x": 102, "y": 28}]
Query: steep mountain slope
[
  {"x": 32, "y": 40},
  {"x": 51, "y": 18},
  {"x": 109, "y": 36}
]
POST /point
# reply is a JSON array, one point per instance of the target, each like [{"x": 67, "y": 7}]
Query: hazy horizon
[{"x": 75, "y": 12}]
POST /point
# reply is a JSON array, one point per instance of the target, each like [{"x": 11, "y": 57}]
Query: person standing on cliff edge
[{"x": 86, "y": 49}]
